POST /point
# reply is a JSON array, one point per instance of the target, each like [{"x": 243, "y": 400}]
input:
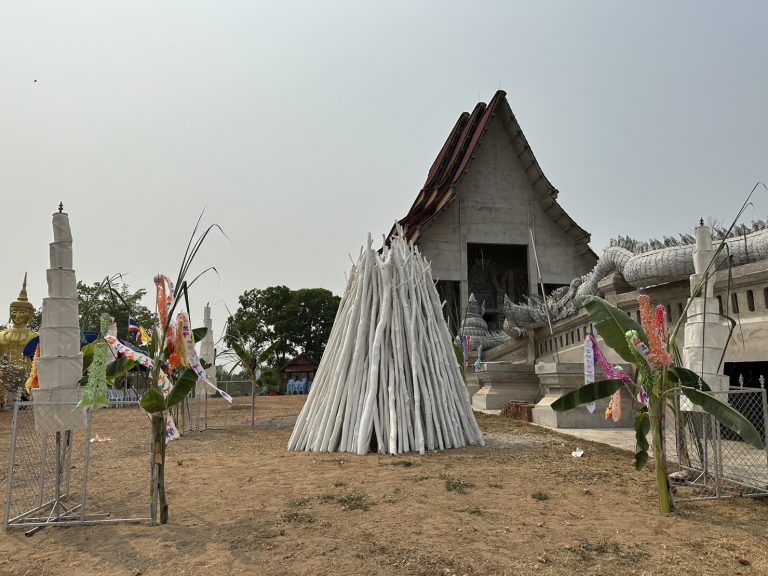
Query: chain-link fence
[
  {"x": 70, "y": 466},
  {"x": 204, "y": 411},
  {"x": 708, "y": 460}
]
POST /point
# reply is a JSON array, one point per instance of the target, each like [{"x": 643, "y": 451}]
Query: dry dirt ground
[{"x": 241, "y": 504}]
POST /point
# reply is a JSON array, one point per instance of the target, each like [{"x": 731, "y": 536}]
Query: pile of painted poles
[{"x": 389, "y": 380}]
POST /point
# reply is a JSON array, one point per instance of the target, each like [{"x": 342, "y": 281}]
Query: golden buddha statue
[{"x": 14, "y": 339}]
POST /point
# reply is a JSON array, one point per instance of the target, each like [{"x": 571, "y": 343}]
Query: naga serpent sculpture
[{"x": 641, "y": 265}]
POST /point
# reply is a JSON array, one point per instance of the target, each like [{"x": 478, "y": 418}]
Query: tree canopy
[
  {"x": 117, "y": 300},
  {"x": 300, "y": 321}
]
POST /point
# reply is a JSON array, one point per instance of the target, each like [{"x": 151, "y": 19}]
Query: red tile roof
[
  {"x": 302, "y": 363},
  {"x": 455, "y": 158}
]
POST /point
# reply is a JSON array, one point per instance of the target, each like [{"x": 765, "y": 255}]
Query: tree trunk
[
  {"x": 662, "y": 483},
  {"x": 158, "y": 470}
]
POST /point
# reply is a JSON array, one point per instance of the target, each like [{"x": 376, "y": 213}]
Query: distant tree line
[{"x": 294, "y": 321}]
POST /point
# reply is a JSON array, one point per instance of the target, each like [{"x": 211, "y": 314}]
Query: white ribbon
[{"x": 589, "y": 368}]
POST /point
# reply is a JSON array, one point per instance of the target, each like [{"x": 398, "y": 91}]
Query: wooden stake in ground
[{"x": 389, "y": 380}]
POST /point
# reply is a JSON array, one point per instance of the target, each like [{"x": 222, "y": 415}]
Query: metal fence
[
  {"x": 203, "y": 411},
  {"x": 70, "y": 466},
  {"x": 708, "y": 460}
]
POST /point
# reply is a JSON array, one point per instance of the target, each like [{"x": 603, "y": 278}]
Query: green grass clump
[{"x": 458, "y": 485}]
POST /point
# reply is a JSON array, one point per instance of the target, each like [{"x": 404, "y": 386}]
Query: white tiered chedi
[
  {"x": 60, "y": 365},
  {"x": 207, "y": 354}
]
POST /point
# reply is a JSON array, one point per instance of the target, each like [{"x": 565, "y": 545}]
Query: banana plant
[
  {"x": 164, "y": 367},
  {"x": 252, "y": 366},
  {"x": 658, "y": 379},
  {"x": 654, "y": 353}
]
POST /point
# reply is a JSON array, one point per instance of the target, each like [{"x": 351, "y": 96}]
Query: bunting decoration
[{"x": 142, "y": 359}]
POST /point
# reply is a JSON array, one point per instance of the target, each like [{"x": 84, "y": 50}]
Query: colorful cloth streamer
[
  {"x": 658, "y": 354},
  {"x": 191, "y": 356},
  {"x": 141, "y": 359},
  {"x": 479, "y": 360},
  {"x": 144, "y": 337},
  {"x": 32, "y": 381},
  {"x": 611, "y": 372},
  {"x": 613, "y": 412},
  {"x": 661, "y": 323},
  {"x": 95, "y": 394},
  {"x": 165, "y": 291},
  {"x": 171, "y": 432},
  {"x": 642, "y": 354},
  {"x": 589, "y": 367},
  {"x": 466, "y": 346}
]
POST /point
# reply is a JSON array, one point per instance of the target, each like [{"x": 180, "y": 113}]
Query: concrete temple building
[
  {"x": 488, "y": 220},
  {"x": 484, "y": 198}
]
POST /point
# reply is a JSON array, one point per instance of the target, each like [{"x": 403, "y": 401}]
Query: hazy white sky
[{"x": 301, "y": 126}]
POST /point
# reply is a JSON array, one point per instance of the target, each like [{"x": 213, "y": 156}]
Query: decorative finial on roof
[
  {"x": 701, "y": 221},
  {"x": 61, "y": 207}
]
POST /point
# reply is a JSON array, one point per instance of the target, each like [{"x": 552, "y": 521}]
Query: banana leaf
[
  {"x": 642, "y": 427},
  {"x": 685, "y": 377},
  {"x": 118, "y": 368},
  {"x": 153, "y": 401},
  {"x": 182, "y": 387},
  {"x": 585, "y": 394},
  {"x": 459, "y": 351},
  {"x": 268, "y": 352},
  {"x": 612, "y": 324},
  {"x": 87, "y": 351},
  {"x": 726, "y": 415},
  {"x": 199, "y": 333}
]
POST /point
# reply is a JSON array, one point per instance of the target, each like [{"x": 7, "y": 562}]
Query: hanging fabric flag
[
  {"x": 171, "y": 432},
  {"x": 190, "y": 355},
  {"x": 464, "y": 349},
  {"x": 589, "y": 367},
  {"x": 143, "y": 338},
  {"x": 133, "y": 328},
  {"x": 479, "y": 360}
]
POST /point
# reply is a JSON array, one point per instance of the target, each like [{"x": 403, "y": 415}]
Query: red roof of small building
[
  {"x": 454, "y": 161},
  {"x": 302, "y": 363}
]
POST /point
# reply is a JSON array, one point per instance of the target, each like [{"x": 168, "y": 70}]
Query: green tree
[
  {"x": 293, "y": 321},
  {"x": 115, "y": 299},
  {"x": 309, "y": 318},
  {"x": 258, "y": 323}
]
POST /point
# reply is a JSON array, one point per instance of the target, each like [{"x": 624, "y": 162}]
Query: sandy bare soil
[{"x": 241, "y": 504}]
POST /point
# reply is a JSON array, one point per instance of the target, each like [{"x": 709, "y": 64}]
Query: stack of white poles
[{"x": 389, "y": 379}]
